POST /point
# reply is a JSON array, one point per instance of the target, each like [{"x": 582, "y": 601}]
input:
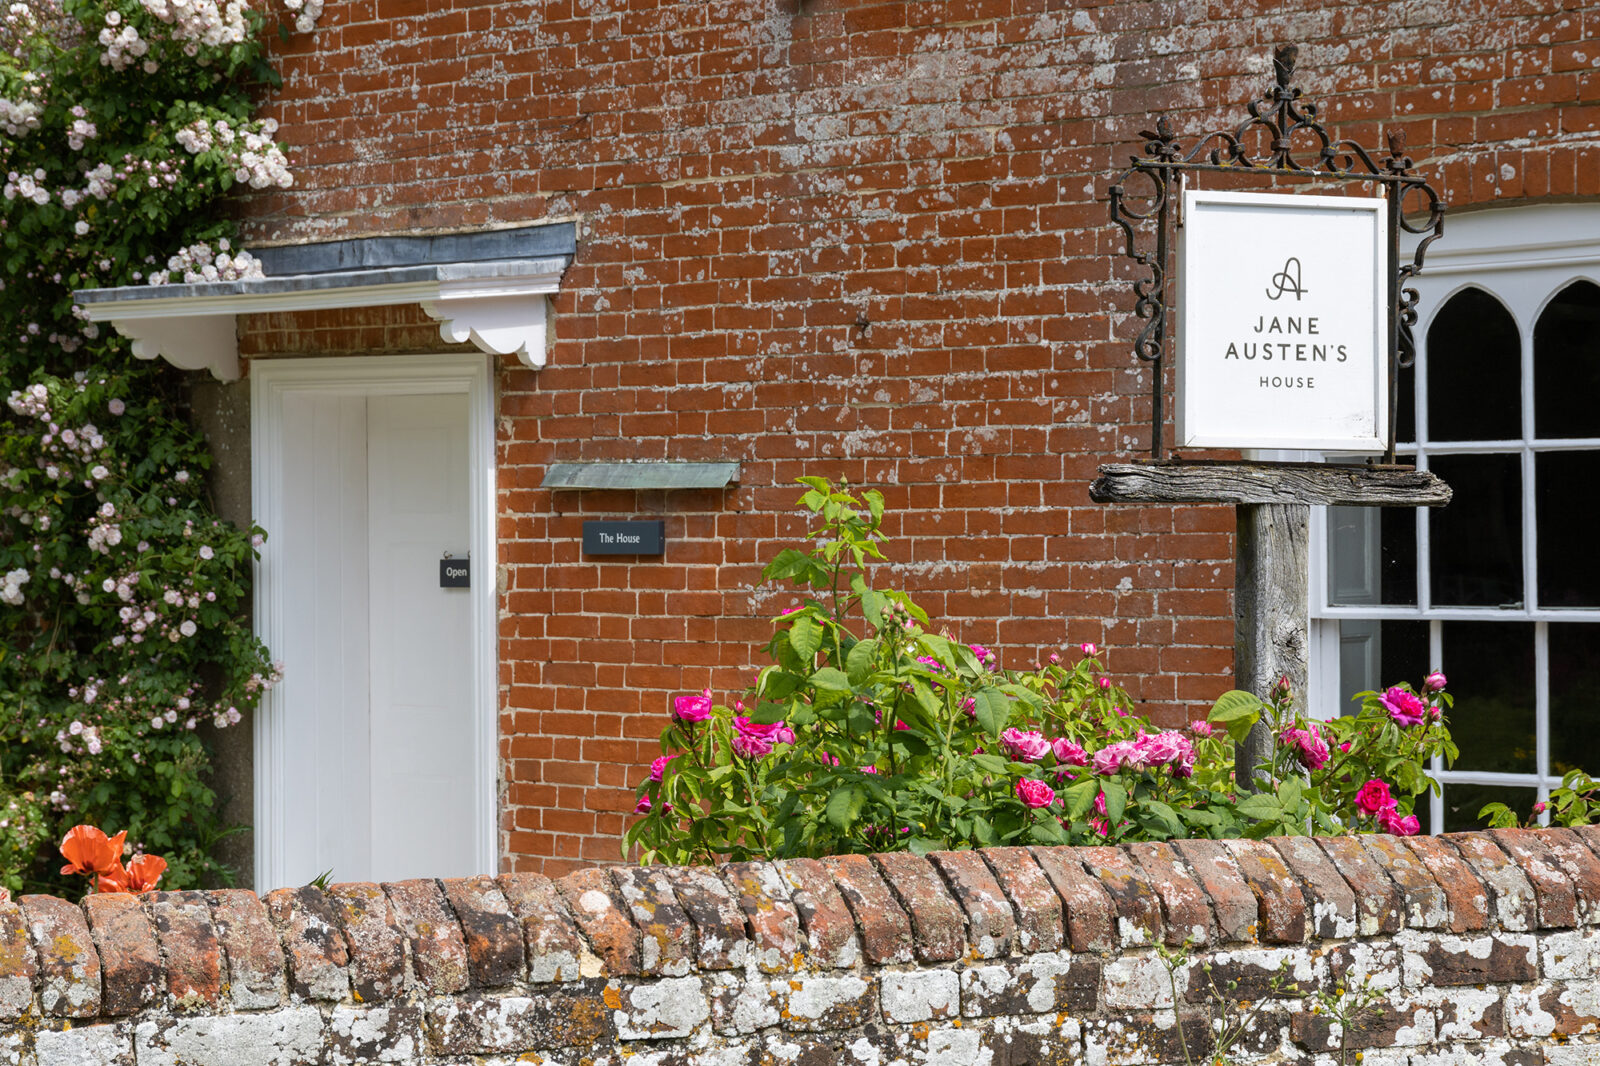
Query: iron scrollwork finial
[{"x": 1282, "y": 119}]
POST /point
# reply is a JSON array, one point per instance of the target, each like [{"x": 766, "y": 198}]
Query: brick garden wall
[
  {"x": 852, "y": 238},
  {"x": 1486, "y": 948}
]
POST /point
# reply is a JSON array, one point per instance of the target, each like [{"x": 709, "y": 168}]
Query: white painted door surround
[{"x": 375, "y": 757}]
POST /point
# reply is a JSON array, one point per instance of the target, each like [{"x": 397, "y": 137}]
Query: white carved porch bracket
[
  {"x": 199, "y": 342},
  {"x": 501, "y": 306}
]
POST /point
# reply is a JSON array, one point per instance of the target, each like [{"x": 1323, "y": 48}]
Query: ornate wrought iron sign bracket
[{"x": 1282, "y": 138}]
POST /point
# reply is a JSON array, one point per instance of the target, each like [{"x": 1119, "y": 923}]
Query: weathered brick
[
  {"x": 1553, "y": 1009},
  {"x": 250, "y": 944},
  {"x": 721, "y": 941},
  {"x": 1570, "y": 956},
  {"x": 69, "y": 967},
  {"x": 438, "y": 950},
  {"x": 18, "y": 963},
  {"x": 592, "y": 898},
  {"x": 1552, "y": 887},
  {"x": 86, "y": 1045},
  {"x": 1512, "y": 901},
  {"x": 1333, "y": 912},
  {"x": 666, "y": 1009},
  {"x": 1253, "y": 974},
  {"x": 1446, "y": 961},
  {"x": 1283, "y": 906},
  {"x": 374, "y": 939},
  {"x": 830, "y": 930},
  {"x": 740, "y": 1006},
  {"x": 937, "y": 924},
  {"x": 1040, "y": 923},
  {"x": 1090, "y": 914},
  {"x": 884, "y": 927},
  {"x": 821, "y": 1004},
  {"x": 131, "y": 974},
  {"x": 567, "y": 1015},
  {"x": 279, "y": 1038},
  {"x": 1234, "y": 906},
  {"x": 990, "y": 925},
  {"x": 919, "y": 995},
  {"x": 1140, "y": 1038},
  {"x": 492, "y": 934},
  {"x": 1466, "y": 1015},
  {"x": 1380, "y": 1027},
  {"x": 1466, "y": 897},
  {"x": 195, "y": 966},
  {"x": 1425, "y": 901},
  {"x": 1379, "y": 905},
  {"x": 1137, "y": 904},
  {"x": 1186, "y": 911},
  {"x": 772, "y": 921},
  {"x": 1042, "y": 983},
  {"x": 384, "y": 1033},
  {"x": 314, "y": 946},
  {"x": 666, "y": 940},
  {"x": 553, "y": 946},
  {"x": 1581, "y": 865}
]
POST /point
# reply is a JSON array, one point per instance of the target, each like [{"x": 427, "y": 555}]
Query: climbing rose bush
[
  {"x": 873, "y": 730},
  {"x": 123, "y": 600}
]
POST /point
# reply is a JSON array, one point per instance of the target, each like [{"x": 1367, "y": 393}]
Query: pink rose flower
[
  {"x": 869, "y": 769},
  {"x": 691, "y": 708},
  {"x": 1088, "y": 648},
  {"x": 643, "y": 806},
  {"x": 1108, "y": 760},
  {"x": 1105, "y": 683},
  {"x": 1200, "y": 727},
  {"x": 1068, "y": 753},
  {"x": 1390, "y": 821},
  {"x": 1035, "y": 794},
  {"x": 1308, "y": 746},
  {"x": 755, "y": 739},
  {"x": 658, "y": 768},
  {"x": 1434, "y": 682},
  {"x": 1374, "y": 797},
  {"x": 1025, "y": 745},
  {"x": 1404, "y": 706},
  {"x": 827, "y": 760}
]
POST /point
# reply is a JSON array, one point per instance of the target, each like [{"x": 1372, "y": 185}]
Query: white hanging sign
[{"x": 1281, "y": 322}]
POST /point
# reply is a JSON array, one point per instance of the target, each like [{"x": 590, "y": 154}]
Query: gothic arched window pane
[
  {"x": 1474, "y": 370},
  {"x": 1566, "y": 364}
]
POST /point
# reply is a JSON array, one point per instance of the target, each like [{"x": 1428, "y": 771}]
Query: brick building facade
[{"x": 848, "y": 238}]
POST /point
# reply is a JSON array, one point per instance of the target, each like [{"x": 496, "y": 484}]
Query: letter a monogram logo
[{"x": 1287, "y": 280}]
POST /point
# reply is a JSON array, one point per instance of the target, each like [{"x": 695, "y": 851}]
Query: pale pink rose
[
  {"x": 1068, "y": 753},
  {"x": 1434, "y": 682},
  {"x": 1200, "y": 727},
  {"x": 1025, "y": 745}
]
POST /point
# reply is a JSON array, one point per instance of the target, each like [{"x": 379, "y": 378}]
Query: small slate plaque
[
  {"x": 455, "y": 573},
  {"x": 624, "y": 538}
]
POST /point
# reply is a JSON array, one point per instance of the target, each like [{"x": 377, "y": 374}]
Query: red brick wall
[{"x": 750, "y": 178}]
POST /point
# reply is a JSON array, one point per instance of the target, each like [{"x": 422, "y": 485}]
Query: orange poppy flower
[
  {"x": 144, "y": 873},
  {"x": 88, "y": 851},
  {"x": 115, "y": 881}
]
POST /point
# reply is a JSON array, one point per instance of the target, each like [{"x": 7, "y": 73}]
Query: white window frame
[{"x": 1523, "y": 257}]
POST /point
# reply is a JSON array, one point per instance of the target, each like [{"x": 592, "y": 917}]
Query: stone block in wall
[
  {"x": 830, "y": 929},
  {"x": 18, "y": 963},
  {"x": 313, "y": 944},
  {"x": 554, "y": 948},
  {"x": 669, "y": 1008},
  {"x": 131, "y": 972},
  {"x": 1040, "y": 923},
  {"x": 989, "y": 921},
  {"x": 69, "y": 967},
  {"x": 1570, "y": 956},
  {"x": 195, "y": 965},
  {"x": 1375, "y": 964},
  {"x": 1387, "y": 1025},
  {"x": 1486, "y": 1053},
  {"x": 770, "y": 915},
  {"x": 1555, "y": 1008},
  {"x": 1044, "y": 983},
  {"x": 721, "y": 940},
  {"x": 741, "y": 1005},
  {"x": 85, "y": 1045},
  {"x": 384, "y": 1033},
  {"x": 821, "y": 1003},
  {"x": 255, "y": 957},
  {"x": 1333, "y": 913},
  {"x": 1447, "y": 960},
  {"x": 289, "y": 1036},
  {"x": 1141, "y": 982},
  {"x": 570, "y": 1015},
  {"x": 1139, "y": 1038},
  {"x": 666, "y": 939},
  {"x": 491, "y": 933},
  {"x": 938, "y": 924},
  {"x": 1512, "y": 904},
  {"x": 995, "y": 1042},
  {"x": 1465, "y": 1014},
  {"x": 919, "y": 995},
  {"x": 1250, "y": 973},
  {"x": 1233, "y": 905},
  {"x": 374, "y": 939}
]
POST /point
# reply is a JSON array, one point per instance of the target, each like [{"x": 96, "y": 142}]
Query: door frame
[{"x": 273, "y": 379}]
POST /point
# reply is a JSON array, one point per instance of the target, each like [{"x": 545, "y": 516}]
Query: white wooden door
[{"x": 377, "y": 716}]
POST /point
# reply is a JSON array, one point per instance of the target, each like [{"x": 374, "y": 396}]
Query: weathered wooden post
[{"x": 1293, "y": 323}]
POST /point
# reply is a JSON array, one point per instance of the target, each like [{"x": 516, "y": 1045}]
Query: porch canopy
[{"x": 489, "y": 287}]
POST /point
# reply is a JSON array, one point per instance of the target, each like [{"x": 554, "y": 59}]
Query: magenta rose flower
[
  {"x": 1025, "y": 745},
  {"x": 755, "y": 739},
  {"x": 692, "y": 708},
  {"x": 1390, "y": 821},
  {"x": 658, "y": 768},
  {"x": 1434, "y": 682},
  {"x": 1200, "y": 727},
  {"x": 1307, "y": 745},
  {"x": 1374, "y": 797},
  {"x": 1035, "y": 794},
  {"x": 1088, "y": 648},
  {"x": 1404, "y": 706},
  {"x": 1068, "y": 753}
]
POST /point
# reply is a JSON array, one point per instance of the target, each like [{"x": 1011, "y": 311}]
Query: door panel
[{"x": 421, "y": 728}]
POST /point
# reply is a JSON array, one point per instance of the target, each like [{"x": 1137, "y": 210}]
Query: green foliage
[
  {"x": 1576, "y": 802},
  {"x": 123, "y": 601},
  {"x": 870, "y": 731}
]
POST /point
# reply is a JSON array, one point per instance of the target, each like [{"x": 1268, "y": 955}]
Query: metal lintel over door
[{"x": 376, "y": 756}]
